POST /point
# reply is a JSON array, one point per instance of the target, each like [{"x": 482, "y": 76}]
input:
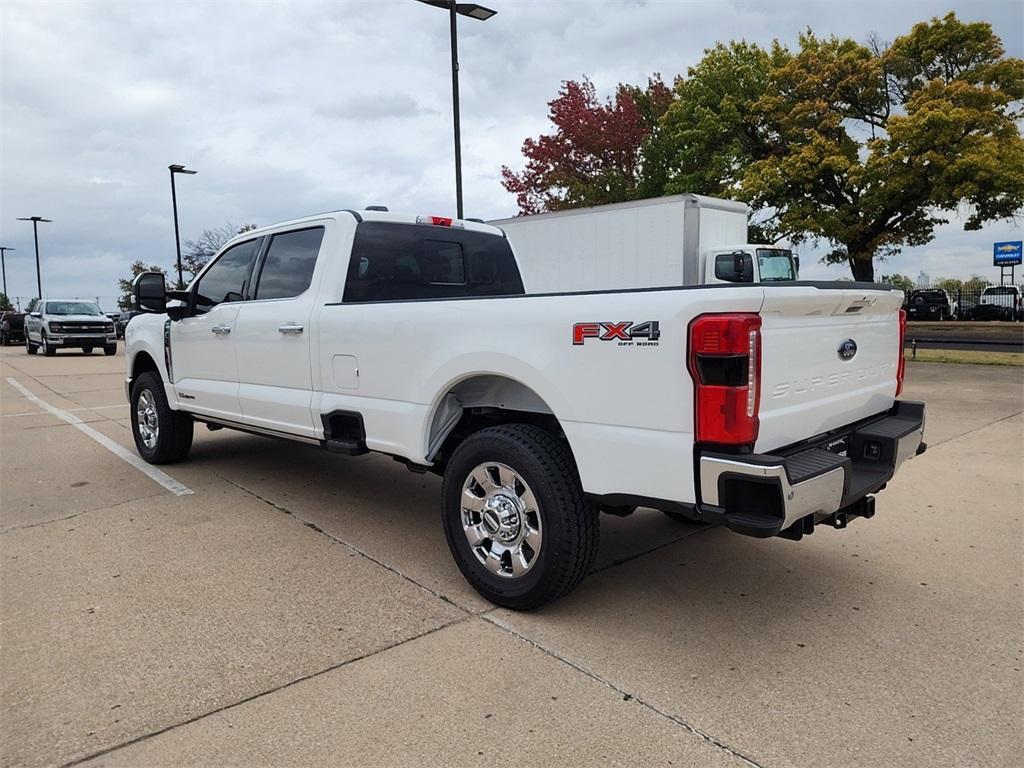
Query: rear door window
[
  {"x": 287, "y": 269},
  {"x": 401, "y": 262},
  {"x": 226, "y": 279}
]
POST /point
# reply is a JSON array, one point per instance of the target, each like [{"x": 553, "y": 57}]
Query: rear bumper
[{"x": 829, "y": 480}]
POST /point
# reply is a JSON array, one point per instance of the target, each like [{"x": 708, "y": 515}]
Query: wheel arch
[
  {"x": 479, "y": 400},
  {"x": 141, "y": 362}
]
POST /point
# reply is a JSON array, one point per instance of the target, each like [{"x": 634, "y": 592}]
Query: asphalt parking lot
[{"x": 298, "y": 607}]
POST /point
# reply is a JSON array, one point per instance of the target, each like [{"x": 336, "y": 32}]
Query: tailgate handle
[{"x": 858, "y": 304}]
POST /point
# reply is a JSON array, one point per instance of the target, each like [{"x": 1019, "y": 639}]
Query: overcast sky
[{"x": 288, "y": 109}]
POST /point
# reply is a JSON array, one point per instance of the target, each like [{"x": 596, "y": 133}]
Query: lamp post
[
  {"x": 35, "y": 234},
  {"x": 473, "y": 11},
  {"x": 174, "y": 204},
  {"x": 3, "y": 267}
]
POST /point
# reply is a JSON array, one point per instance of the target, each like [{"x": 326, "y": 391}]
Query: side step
[
  {"x": 344, "y": 432},
  {"x": 347, "y": 446}
]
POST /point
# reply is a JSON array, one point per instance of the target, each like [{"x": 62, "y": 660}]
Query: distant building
[{"x": 923, "y": 280}]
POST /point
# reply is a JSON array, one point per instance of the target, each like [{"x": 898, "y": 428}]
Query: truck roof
[{"x": 388, "y": 216}]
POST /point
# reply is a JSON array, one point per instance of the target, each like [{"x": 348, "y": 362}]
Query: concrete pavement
[{"x": 301, "y": 608}]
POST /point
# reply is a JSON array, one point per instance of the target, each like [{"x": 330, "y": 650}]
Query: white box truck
[{"x": 665, "y": 241}]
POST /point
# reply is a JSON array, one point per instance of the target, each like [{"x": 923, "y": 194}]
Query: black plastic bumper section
[{"x": 828, "y": 479}]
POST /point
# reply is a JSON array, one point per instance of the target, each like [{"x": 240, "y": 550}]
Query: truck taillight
[
  {"x": 725, "y": 363},
  {"x": 901, "y": 365}
]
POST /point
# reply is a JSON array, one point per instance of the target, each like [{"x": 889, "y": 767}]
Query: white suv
[{"x": 69, "y": 323}]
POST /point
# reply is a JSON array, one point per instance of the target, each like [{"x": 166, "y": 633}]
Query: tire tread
[
  {"x": 574, "y": 553},
  {"x": 176, "y": 428}
]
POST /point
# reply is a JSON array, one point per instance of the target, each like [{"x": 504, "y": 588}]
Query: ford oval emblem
[{"x": 847, "y": 349}]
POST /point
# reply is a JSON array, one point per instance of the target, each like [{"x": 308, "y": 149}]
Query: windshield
[
  {"x": 72, "y": 308},
  {"x": 775, "y": 265},
  {"x": 1003, "y": 291}
]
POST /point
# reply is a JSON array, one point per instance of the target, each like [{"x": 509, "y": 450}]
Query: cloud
[
  {"x": 292, "y": 108},
  {"x": 367, "y": 107}
]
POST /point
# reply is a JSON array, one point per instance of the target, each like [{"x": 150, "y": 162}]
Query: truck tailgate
[{"x": 810, "y": 382}]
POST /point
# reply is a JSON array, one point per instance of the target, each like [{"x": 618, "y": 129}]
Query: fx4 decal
[{"x": 625, "y": 333}]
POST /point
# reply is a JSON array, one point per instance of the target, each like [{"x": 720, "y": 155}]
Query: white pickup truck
[{"x": 766, "y": 408}]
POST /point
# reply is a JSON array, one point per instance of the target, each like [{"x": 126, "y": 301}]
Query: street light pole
[
  {"x": 35, "y": 234},
  {"x": 174, "y": 204},
  {"x": 455, "y": 108},
  {"x": 479, "y": 13},
  {"x": 3, "y": 266}
]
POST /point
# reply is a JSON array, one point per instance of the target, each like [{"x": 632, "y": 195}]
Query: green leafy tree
[
  {"x": 124, "y": 284},
  {"x": 198, "y": 252},
  {"x": 30, "y": 307},
  {"x": 5, "y": 303},
  {"x": 949, "y": 284},
  {"x": 902, "y": 282},
  {"x": 976, "y": 284},
  {"x": 864, "y": 147}
]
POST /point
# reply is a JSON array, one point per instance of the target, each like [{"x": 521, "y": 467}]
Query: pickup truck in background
[
  {"x": 931, "y": 304},
  {"x": 675, "y": 240},
  {"x": 69, "y": 324},
  {"x": 12, "y": 328},
  {"x": 767, "y": 408},
  {"x": 999, "y": 302}
]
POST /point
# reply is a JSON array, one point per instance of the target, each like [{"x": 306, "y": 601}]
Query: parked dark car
[
  {"x": 121, "y": 322},
  {"x": 12, "y": 328},
  {"x": 930, "y": 304}
]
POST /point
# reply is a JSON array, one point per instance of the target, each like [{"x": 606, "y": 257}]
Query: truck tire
[
  {"x": 534, "y": 534},
  {"x": 48, "y": 350},
  {"x": 110, "y": 349},
  {"x": 162, "y": 435},
  {"x": 30, "y": 348}
]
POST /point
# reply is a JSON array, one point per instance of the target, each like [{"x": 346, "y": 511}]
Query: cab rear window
[{"x": 402, "y": 262}]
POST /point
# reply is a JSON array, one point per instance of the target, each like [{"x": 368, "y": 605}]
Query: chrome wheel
[
  {"x": 146, "y": 418},
  {"x": 501, "y": 520}
]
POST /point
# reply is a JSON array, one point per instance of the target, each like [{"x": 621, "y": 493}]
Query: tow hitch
[{"x": 864, "y": 507}]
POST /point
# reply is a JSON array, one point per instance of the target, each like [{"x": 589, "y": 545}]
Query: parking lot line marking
[
  {"x": 68, "y": 410},
  {"x": 115, "y": 448}
]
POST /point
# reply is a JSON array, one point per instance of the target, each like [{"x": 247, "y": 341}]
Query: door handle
[
  {"x": 221, "y": 330},
  {"x": 290, "y": 329}
]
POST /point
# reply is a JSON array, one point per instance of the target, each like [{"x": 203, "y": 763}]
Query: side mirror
[
  {"x": 796, "y": 264},
  {"x": 149, "y": 292},
  {"x": 36, "y": 314}
]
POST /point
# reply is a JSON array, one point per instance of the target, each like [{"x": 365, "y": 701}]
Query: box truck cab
[
  {"x": 666, "y": 241},
  {"x": 748, "y": 263}
]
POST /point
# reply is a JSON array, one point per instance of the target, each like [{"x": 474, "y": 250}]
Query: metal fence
[{"x": 963, "y": 304}]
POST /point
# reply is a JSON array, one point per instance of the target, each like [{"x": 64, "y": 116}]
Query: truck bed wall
[{"x": 626, "y": 409}]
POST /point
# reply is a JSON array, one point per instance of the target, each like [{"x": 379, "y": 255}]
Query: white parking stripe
[
  {"x": 69, "y": 410},
  {"x": 115, "y": 448}
]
